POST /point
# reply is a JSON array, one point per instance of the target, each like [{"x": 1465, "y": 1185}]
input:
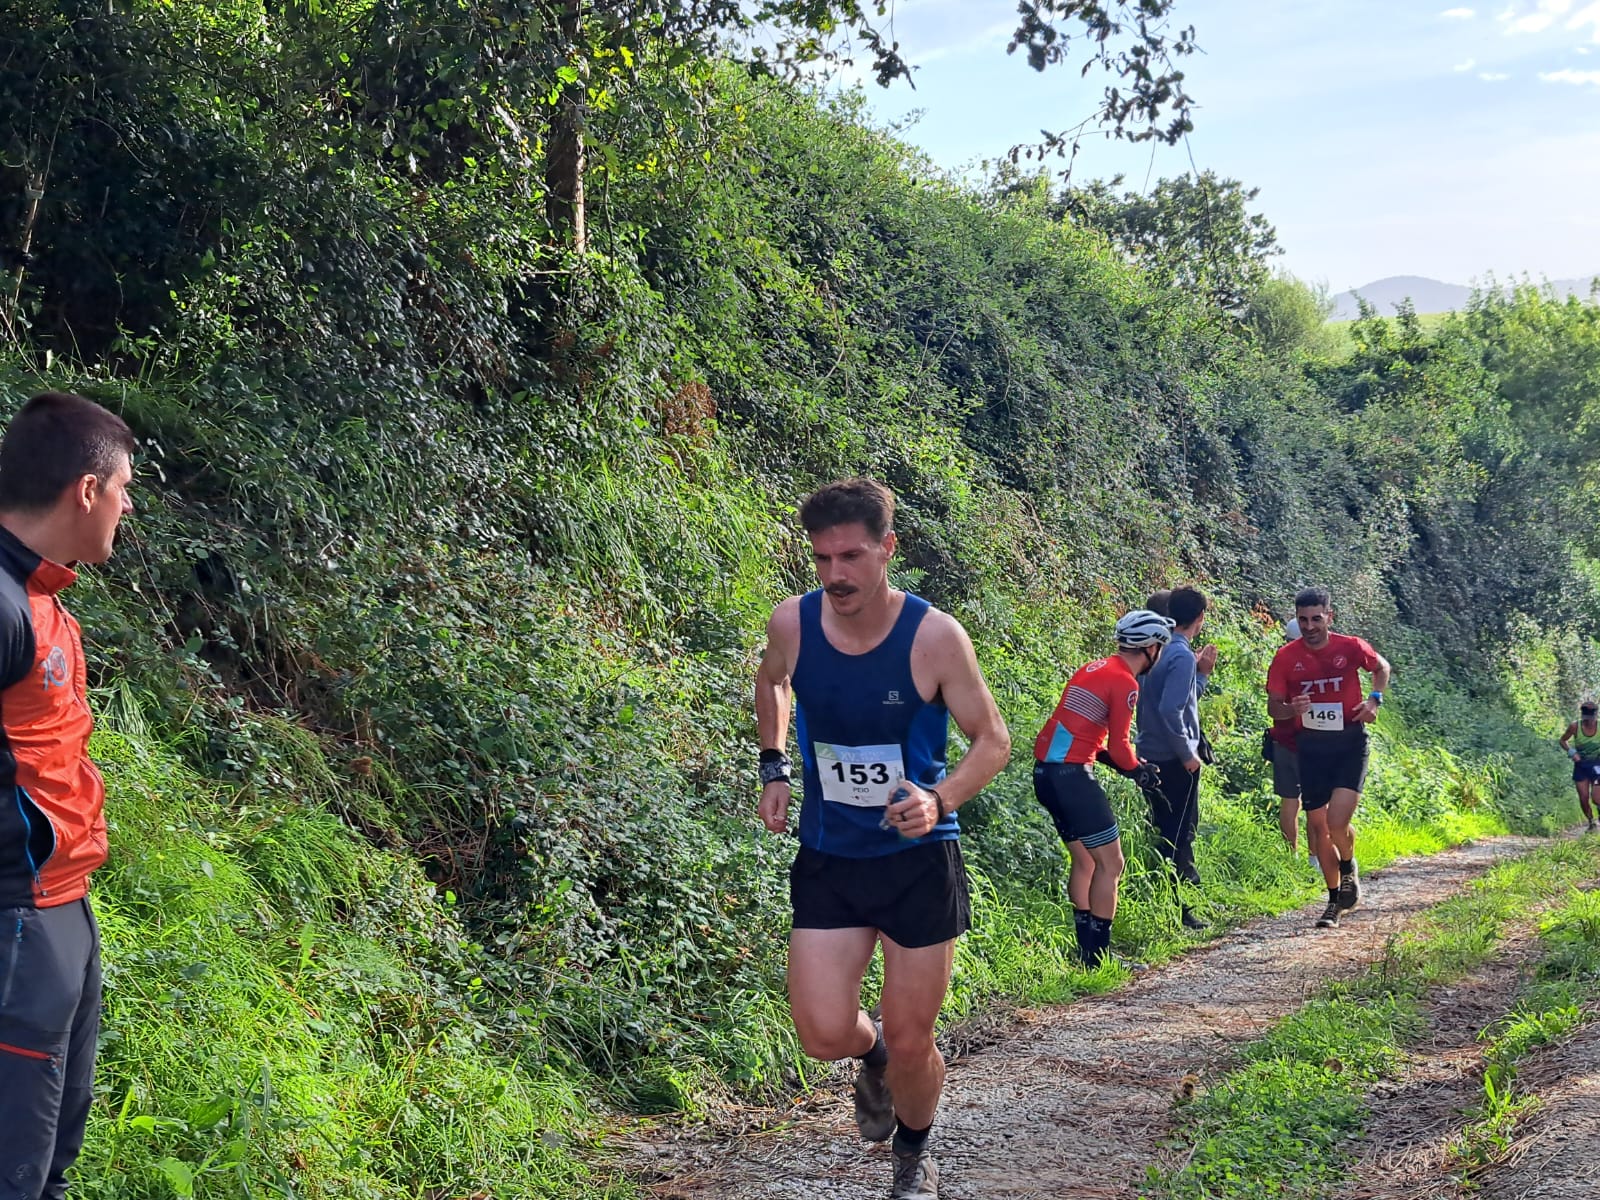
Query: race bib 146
[{"x": 1324, "y": 715}]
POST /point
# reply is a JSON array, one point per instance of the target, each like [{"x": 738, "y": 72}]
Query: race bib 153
[{"x": 861, "y": 776}]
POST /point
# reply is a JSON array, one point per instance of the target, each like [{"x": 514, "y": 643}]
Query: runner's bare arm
[
  {"x": 1572, "y": 732},
  {"x": 1281, "y": 708},
  {"x": 773, "y": 702},
  {"x": 1381, "y": 674},
  {"x": 1381, "y": 671},
  {"x": 943, "y": 653}
]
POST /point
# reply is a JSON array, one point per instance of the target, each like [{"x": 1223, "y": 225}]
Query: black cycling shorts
[
  {"x": 914, "y": 897},
  {"x": 1584, "y": 770},
  {"x": 1329, "y": 761},
  {"x": 1076, "y": 803}
]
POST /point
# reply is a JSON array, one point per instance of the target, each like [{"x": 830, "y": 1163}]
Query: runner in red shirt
[
  {"x": 1096, "y": 709},
  {"x": 1316, "y": 682},
  {"x": 1279, "y": 750}
]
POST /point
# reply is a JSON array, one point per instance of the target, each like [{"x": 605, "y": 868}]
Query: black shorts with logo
[
  {"x": 1076, "y": 803},
  {"x": 915, "y": 897},
  {"x": 1329, "y": 761}
]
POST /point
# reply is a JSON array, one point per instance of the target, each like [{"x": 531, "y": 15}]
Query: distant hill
[{"x": 1427, "y": 295}]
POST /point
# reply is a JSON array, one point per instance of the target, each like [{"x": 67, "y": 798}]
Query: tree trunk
[{"x": 564, "y": 153}]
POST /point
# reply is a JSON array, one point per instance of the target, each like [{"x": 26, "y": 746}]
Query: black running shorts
[
  {"x": 1329, "y": 761},
  {"x": 916, "y": 897},
  {"x": 1285, "y": 771},
  {"x": 1076, "y": 803}
]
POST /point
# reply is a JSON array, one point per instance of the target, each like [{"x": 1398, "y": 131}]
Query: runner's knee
[
  {"x": 1109, "y": 860},
  {"x": 907, "y": 1040},
  {"x": 828, "y": 1036}
]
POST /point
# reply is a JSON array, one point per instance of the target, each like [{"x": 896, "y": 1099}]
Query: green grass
[
  {"x": 1341, "y": 340},
  {"x": 1274, "y": 1126},
  {"x": 280, "y": 1020},
  {"x": 1560, "y": 997}
]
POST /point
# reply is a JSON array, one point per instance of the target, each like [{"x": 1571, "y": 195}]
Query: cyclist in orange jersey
[{"x": 1090, "y": 724}]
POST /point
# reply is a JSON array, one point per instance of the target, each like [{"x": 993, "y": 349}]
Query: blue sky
[{"x": 1443, "y": 139}]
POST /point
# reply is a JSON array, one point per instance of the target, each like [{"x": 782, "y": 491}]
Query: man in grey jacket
[{"x": 1169, "y": 733}]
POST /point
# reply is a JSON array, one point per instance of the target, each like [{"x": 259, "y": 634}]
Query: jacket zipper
[
  {"x": 24, "y": 1052},
  {"x": 27, "y": 835}
]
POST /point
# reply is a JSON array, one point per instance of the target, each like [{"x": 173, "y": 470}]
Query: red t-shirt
[{"x": 1330, "y": 676}]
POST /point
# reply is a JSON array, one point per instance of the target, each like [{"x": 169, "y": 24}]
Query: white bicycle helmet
[{"x": 1141, "y": 628}]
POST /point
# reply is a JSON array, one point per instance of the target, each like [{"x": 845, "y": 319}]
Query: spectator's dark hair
[
  {"x": 55, "y": 440},
  {"x": 1159, "y": 602},
  {"x": 847, "y": 501},
  {"x": 1312, "y": 597},
  {"x": 1187, "y": 604}
]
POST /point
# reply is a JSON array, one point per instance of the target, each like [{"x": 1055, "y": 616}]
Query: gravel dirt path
[
  {"x": 1403, "y": 1153},
  {"x": 1073, "y": 1100},
  {"x": 1555, "y": 1154}
]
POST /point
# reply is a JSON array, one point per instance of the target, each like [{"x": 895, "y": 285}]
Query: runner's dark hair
[
  {"x": 1312, "y": 597},
  {"x": 846, "y": 501}
]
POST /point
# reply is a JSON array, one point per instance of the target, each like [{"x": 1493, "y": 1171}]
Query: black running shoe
[
  {"x": 1330, "y": 916},
  {"x": 1350, "y": 888},
  {"x": 915, "y": 1177},
  {"x": 874, "y": 1105}
]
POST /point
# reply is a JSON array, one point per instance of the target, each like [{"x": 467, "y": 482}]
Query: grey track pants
[{"x": 49, "y": 1022}]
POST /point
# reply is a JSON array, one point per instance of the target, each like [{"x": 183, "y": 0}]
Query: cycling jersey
[
  {"x": 1329, "y": 676},
  {"x": 1095, "y": 710},
  {"x": 52, "y": 799}
]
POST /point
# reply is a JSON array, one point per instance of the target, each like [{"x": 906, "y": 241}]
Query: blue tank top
[{"x": 863, "y": 728}]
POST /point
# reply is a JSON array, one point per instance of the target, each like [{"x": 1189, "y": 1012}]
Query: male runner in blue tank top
[{"x": 875, "y": 675}]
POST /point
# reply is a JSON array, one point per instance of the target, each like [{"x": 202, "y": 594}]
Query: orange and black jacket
[{"x": 52, "y": 799}]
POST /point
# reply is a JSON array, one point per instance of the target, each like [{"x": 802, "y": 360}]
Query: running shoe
[
  {"x": 1592, "y": 825},
  {"x": 874, "y": 1105},
  {"x": 1330, "y": 916},
  {"x": 1350, "y": 887},
  {"x": 1190, "y": 921},
  {"x": 915, "y": 1177}
]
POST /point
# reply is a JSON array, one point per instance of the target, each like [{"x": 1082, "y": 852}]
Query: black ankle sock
[
  {"x": 1099, "y": 930},
  {"x": 878, "y": 1056},
  {"x": 1347, "y": 866},
  {"x": 908, "y": 1140},
  {"x": 1333, "y": 895}
]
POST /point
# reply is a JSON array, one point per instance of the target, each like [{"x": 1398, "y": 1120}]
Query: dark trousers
[
  {"x": 49, "y": 1021},
  {"x": 1175, "y": 812}
]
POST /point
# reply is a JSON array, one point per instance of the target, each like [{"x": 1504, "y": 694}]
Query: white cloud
[
  {"x": 1546, "y": 15},
  {"x": 1568, "y": 75},
  {"x": 1587, "y": 16},
  {"x": 993, "y": 35},
  {"x": 1458, "y": 14},
  {"x": 1466, "y": 66},
  {"x": 1493, "y": 76}
]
